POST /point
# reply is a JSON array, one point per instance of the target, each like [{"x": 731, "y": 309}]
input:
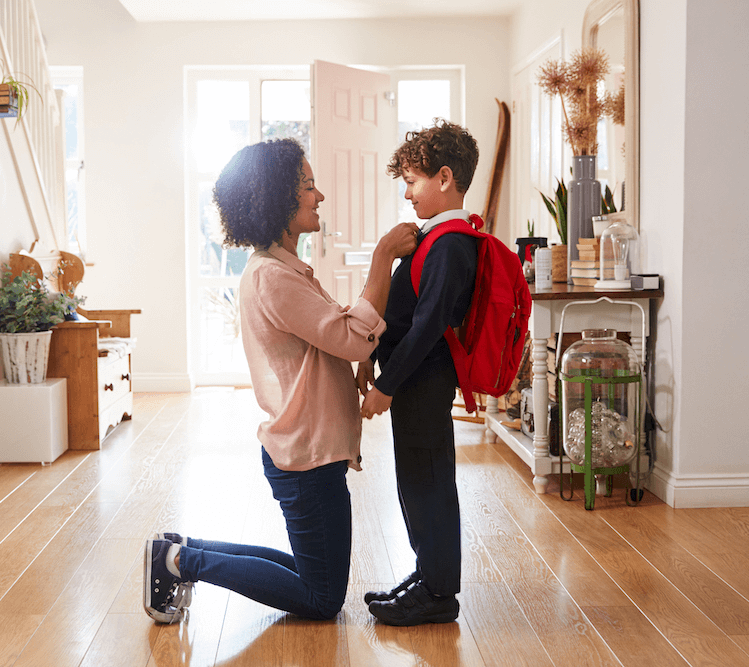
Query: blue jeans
[{"x": 312, "y": 582}]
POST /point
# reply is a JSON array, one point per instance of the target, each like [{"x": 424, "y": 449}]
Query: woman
[{"x": 299, "y": 344}]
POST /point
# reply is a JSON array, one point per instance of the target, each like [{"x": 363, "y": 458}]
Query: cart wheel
[{"x": 636, "y": 494}]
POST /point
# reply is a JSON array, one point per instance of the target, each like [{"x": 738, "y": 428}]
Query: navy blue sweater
[{"x": 415, "y": 327}]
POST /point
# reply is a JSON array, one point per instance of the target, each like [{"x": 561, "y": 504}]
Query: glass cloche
[{"x": 619, "y": 256}]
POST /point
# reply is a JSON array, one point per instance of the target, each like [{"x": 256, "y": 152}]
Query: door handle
[{"x": 325, "y": 234}]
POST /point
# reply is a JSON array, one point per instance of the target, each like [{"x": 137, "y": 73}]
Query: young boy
[{"x": 417, "y": 378}]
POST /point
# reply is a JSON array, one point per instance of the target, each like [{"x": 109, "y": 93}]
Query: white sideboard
[{"x": 545, "y": 321}]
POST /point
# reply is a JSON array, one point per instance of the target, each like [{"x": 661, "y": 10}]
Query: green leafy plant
[
  {"x": 557, "y": 208},
  {"x": 19, "y": 86},
  {"x": 607, "y": 202},
  {"x": 27, "y": 306},
  {"x": 531, "y": 227}
]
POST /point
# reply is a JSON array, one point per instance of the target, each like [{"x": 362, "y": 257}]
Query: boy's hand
[
  {"x": 375, "y": 403},
  {"x": 365, "y": 376},
  {"x": 400, "y": 240}
]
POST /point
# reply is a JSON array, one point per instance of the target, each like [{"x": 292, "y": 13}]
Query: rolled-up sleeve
[{"x": 298, "y": 305}]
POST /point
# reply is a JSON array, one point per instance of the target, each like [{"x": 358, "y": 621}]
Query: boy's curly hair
[
  {"x": 257, "y": 192},
  {"x": 443, "y": 144}
]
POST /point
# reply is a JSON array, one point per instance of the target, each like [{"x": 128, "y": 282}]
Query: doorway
[{"x": 257, "y": 104}]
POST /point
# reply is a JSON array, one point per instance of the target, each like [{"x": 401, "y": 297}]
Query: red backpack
[{"x": 487, "y": 350}]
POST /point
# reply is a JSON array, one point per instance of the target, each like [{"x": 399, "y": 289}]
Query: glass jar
[{"x": 601, "y": 394}]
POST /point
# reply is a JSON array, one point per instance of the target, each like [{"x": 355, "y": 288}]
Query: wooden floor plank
[
  {"x": 41, "y": 584},
  {"x": 74, "y": 620},
  {"x": 545, "y": 583},
  {"x": 123, "y": 640},
  {"x": 26, "y": 497},
  {"x": 193, "y": 642},
  {"x": 15, "y": 632},
  {"x": 632, "y": 637},
  {"x": 251, "y": 635},
  {"x": 719, "y": 602},
  {"x": 312, "y": 643},
  {"x": 688, "y": 629},
  {"x": 500, "y": 628}
]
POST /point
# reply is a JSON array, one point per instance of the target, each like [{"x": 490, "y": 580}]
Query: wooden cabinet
[{"x": 100, "y": 393}]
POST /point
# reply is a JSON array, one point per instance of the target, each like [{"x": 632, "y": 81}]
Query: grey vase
[{"x": 583, "y": 202}]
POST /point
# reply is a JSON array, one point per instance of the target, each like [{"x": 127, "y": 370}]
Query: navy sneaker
[
  {"x": 165, "y": 599},
  {"x": 185, "y": 589},
  {"x": 171, "y": 537}
]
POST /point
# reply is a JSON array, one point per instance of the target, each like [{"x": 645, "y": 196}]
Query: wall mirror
[{"x": 613, "y": 25}]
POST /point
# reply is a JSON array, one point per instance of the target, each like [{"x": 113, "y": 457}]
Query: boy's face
[{"x": 425, "y": 193}]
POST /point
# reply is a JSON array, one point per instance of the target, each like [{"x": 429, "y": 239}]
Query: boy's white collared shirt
[{"x": 430, "y": 224}]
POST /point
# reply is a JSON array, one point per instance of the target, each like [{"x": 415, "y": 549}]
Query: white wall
[
  {"x": 716, "y": 238},
  {"x": 693, "y": 173},
  {"x": 133, "y": 78}
]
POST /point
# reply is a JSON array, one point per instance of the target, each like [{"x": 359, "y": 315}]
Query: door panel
[{"x": 353, "y": 130}]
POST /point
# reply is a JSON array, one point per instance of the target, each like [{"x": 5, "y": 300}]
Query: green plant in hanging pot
[
  {"x": 28, "y": 311},
  {"x": 14, "y": 94}
]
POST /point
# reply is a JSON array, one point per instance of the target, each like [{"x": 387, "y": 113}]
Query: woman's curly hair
[
  {"x": 443, "y": 144},
  {"x": 257, "y": 193}
]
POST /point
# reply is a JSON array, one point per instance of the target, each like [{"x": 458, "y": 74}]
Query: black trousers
[{"x": 425, "y": 471}]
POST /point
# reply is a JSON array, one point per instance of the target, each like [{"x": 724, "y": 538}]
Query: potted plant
[
  {"x": 14, "y": 95},
  {"x": 558, "y": 210},
  {"x": 28, "y": 311}
]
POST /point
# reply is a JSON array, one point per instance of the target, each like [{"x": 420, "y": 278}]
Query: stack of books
[{"x": 587, "y": 269}]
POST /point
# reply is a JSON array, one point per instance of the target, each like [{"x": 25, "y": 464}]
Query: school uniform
[{"x": 416, "y": 369}]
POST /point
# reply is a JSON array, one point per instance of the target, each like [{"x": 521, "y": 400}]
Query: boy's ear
[{"x": 446, "y": 178}]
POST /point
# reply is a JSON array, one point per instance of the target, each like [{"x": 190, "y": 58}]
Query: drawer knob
[
  {"x": 126, "y": 376},
  {"x": 109, "y": 387}
]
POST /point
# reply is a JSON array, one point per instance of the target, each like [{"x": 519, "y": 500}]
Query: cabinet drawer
[{"x": 114, "y": 380}]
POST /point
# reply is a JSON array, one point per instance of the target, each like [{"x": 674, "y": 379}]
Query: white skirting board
[
  {"x": 695, "y": 491},
  {"x": 165, "y": 383}
]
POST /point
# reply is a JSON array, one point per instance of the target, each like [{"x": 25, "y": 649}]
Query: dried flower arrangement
[{"x": 577, "y": 83}]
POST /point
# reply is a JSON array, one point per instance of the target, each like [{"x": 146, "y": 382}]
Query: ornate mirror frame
[{"x": 595, "y": 15}]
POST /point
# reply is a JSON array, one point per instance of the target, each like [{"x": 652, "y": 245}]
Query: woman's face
[{"x": 307, "y": 218}]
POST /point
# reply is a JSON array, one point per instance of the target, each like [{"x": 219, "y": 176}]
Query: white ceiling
[{"x": 249, "y": 10}]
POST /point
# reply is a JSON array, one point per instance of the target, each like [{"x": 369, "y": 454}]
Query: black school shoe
[
  {"x": 385, "y": 596},
  {"x": 415, "y": 606}
]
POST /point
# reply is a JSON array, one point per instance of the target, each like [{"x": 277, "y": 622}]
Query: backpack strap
[{"x": 457, "y": 351}]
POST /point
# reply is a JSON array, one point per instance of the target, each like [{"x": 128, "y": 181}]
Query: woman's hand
[
  {"x": 365, "y": 376},
  {"x": 375, "y": 403},
  {"x": 400, "y": 240}
]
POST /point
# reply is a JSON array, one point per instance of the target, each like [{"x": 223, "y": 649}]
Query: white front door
[{"x": 353, "y": 133}]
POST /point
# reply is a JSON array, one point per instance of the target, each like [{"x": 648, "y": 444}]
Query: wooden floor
[{"x": 544, "y": 581}]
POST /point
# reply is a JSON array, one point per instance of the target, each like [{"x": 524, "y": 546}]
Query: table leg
[
  {"x": 492, "y": 408},
  {"x": 540, "y": 410}
]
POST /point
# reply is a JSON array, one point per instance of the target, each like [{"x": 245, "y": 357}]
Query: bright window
[{"x": 70, "y": 81}]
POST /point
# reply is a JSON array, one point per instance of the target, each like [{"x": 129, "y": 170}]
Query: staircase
[{"x": 32, "y": 183}]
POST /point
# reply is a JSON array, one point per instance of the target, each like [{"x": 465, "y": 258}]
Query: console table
[{"x": 545, "y": 320}]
